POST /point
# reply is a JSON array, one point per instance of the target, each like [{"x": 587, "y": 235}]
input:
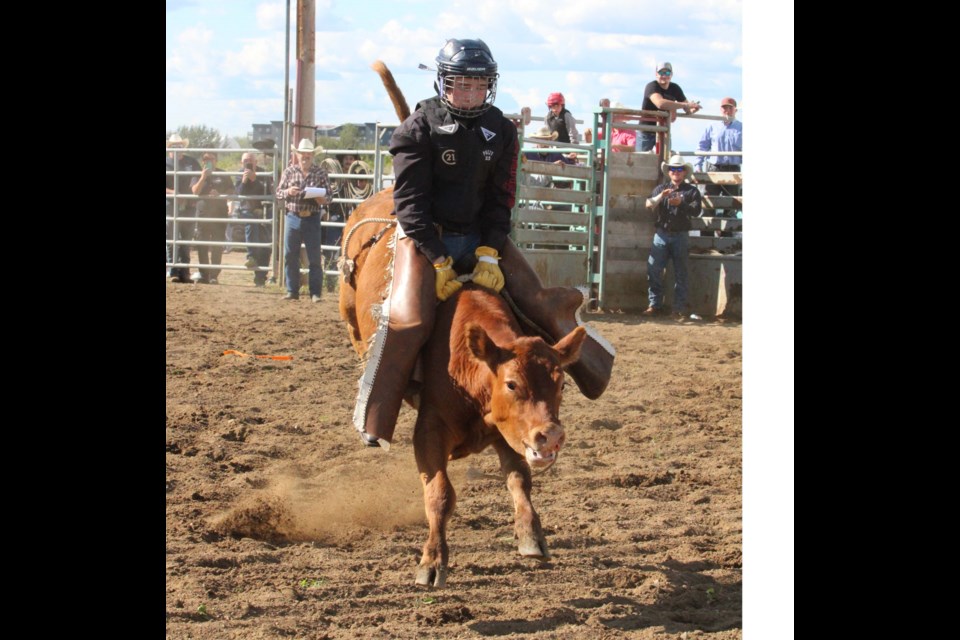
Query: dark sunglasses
[
  {"x": 675, "y": 169},
  {"x": 665, "y": 73}
]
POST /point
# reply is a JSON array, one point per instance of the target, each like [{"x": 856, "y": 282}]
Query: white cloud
[
  {"x": 256, "y": 56},
  {"x": 272, "y": 16}
]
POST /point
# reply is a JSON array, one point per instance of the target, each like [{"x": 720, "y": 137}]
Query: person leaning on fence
[
  {"x": 207, "y": 184},
  {"x": 303, "y": 219},
  {"x": 674, "y": 202},
  {"x": 186, "y": 209},
  {"x": 724, "y": 136},
  {"x": 560, "y": 120},
  {"x": 662, "y": 95},
  {"x": 455, "y": 161},
  {"x": 255, "y": 181}
]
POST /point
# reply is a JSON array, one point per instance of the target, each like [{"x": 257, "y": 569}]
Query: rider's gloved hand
[
  {"x": 447, "y": 285},
  {"x": 487, "y": 272}
]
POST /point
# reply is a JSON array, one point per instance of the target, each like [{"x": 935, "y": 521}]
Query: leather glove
[
  {"x": 487, "y": 272},
  {"x": 447, "y": 285}
]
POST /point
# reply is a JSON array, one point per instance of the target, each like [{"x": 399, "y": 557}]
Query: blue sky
[
  {"x": 225, "y": 60},
  {"x": 224, "y": 69}
]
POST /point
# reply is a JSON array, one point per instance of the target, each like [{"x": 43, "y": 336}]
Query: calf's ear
[
  {"x": 569, "y": 346},
  {"x": 482, "y": 347}
]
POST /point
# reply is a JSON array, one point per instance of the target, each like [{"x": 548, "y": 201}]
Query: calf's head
[{"x": 526, "y": 387}]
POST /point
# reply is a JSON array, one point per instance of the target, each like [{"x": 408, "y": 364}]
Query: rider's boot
[
  {"x": 554, "y": 310},
  {"x": 412, "y": 308}
]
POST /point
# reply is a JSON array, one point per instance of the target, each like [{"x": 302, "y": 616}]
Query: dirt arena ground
[{"x": 280, "y": 525}]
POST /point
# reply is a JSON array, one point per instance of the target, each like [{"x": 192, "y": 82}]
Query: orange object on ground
[{"x": 247, "y": 355}]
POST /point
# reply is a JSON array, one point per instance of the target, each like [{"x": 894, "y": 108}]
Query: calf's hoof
[
  {"x": 431, "y": 576},
  {"x": 533, "y": 548}
]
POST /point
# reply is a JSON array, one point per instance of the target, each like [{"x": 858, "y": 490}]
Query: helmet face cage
[
  {"x": 460, "y": 59},
  {"x": 448, "y": 82}
]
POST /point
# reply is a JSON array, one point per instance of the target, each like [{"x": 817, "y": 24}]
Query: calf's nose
[{"x": 549, "y": 437}]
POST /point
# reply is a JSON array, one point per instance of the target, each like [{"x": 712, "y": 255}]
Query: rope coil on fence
[
  {"x": 359, "y": 189},
  {"x": 331, "y": 165}
]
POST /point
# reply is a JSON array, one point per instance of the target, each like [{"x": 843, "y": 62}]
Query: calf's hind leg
[{"x": 526, "y": 525}]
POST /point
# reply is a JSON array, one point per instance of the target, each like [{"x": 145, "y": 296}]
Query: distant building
[
  {"x": 366, "y": 132},
  {"x": 272, "y": 131}
]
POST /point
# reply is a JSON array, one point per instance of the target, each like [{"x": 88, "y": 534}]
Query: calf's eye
[{"x": 512, "y": 385}]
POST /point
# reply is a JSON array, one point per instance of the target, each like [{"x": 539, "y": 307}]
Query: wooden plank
[
  {"x": 555, "y": 195},
  {"x": 722, "y": 202},
  {"x": 547, "y": 216},
  {"x": 716, "y": 224},
  {"x": 723, "y": 245},
  {"x": 621, "y": 268},
  {"x": 568, "y": 171},
  {"x": 545, "y": 236},
  {"x": 558, "y": 268},
  {"x": 718, "y": 177}
]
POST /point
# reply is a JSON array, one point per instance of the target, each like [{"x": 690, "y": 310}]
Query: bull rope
[{"x": 346, "y": 264}]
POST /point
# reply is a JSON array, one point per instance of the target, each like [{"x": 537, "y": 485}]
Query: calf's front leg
[
  {"x": 439, "y": 500},
  {"x": 526, "y": 526}
]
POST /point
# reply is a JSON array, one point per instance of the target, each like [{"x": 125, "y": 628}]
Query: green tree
[
  {"x": 350, "y": 137},
  {"x": 200, "y": 136}
]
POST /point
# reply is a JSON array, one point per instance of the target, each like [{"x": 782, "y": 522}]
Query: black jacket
[{"x": 458, "y": 174}]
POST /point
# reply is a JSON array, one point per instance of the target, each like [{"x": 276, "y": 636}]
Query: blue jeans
[
  {"x": 307, "y": 231},
  {"x": 668, "y": 245},
  {"x": 256, "y": 233},
  {"x": 646, "y": 140},
  {"x": 459, "y": 246},
  {"x": 185, "y": 230}
]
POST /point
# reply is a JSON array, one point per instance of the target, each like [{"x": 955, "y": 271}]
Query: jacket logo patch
[
  {"x": 487, "y": 134},
  {"x": 488, "y": 154},
  {"x": 448, "y": 128},
  {"x": 449, "y": 156}
]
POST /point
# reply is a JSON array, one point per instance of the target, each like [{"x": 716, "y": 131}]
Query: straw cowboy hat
[
  {"x": 306, "y": 146},
  {"x": 544, "y": 134},
  {"x": 176, "y": 141},
  {"x": 677, "y": 161}
]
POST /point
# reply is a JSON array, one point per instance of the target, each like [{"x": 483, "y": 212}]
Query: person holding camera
[
  {"x": 674, "y": 202},
  {"x": 207, "y": 184},
  {"x": 255, "y": 181}
]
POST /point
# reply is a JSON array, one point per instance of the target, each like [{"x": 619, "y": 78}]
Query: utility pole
[{"x": 303, "y": 123}]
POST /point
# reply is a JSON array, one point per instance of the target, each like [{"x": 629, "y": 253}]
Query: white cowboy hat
[
  {"x": 306, "y": 146},
  {"x": 544, "y": 134},
  {"x": 175, "y": 139},
  {"x": 677, "y": 161}
]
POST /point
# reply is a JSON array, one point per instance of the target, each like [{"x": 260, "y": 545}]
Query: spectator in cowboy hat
[
  {"x": 675, "y": 202},
  {"x": 303, "y": 218},
  {"x": 182, "y": 228},
  {"x": 548, "y": 156},
  {"x": 662, "y": 95}
]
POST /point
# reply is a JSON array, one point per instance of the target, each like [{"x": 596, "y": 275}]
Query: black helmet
[{"x": 471, "y": 58}]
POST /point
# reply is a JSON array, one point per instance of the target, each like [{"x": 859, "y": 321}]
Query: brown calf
[{"x": 485, "y": 383}]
